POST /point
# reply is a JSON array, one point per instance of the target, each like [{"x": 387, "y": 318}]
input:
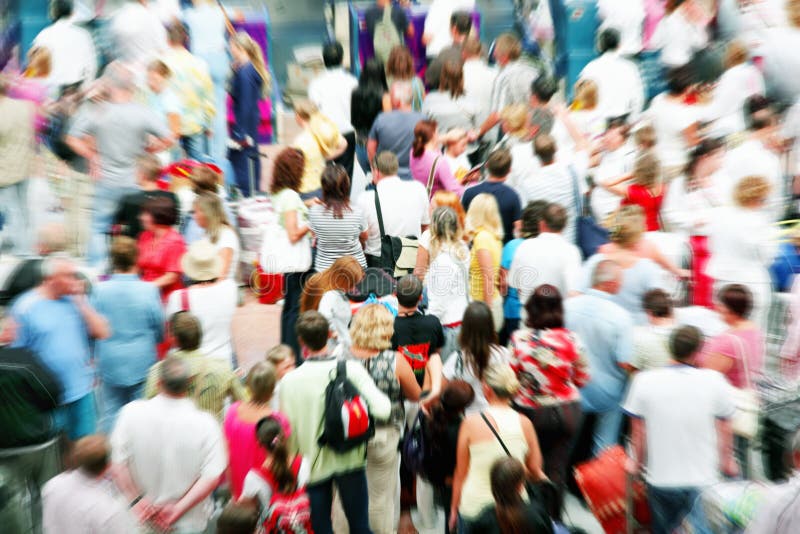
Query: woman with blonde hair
[
  {"x": 646, "y": 191},
  {"x": 209, "y": 215},
  {"x": 485, "y": 231},
  {"x": 639, "y": 259},
  {"x": 479, "y": 448},
  {"x": 249, "y": 84},
  {"x": 743, "y": 245},
  {"x": 514, "y": 125},
  {"x": 585, "y": 114},
  {"x": 327, "y": 291},
  {"x": 371, "y": 334},
  {"x": 400, "y": 68},
  {"x": 320, "y": 142}
]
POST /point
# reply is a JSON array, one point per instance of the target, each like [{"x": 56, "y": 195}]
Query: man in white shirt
[
  {"x": 546, "y": 259},
  {"x": 619, "y": 84},
  {"x": 168, "y": 455},
  {"x": 138, "y": 34},
  {"x": 404, "y": 206},
  {"x": 681, "y": 430},
  {"x": 73, "y": 56},
  {"x": 478, "y": 76},
  {"x": 617, "y": 159},
  {"x": 755, "y": 156},
  {"x": 331, "y": 91},
  {"x": 625, "y": 17},
  {"x": 83, "y": 500},
  {"x": 556, "y": 181},
  {"x": 436, "y": 33}
]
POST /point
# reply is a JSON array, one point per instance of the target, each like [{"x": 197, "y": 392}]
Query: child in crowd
[
  {"x": 283, "y": 358},
  {"x": 455, "y": 154}
]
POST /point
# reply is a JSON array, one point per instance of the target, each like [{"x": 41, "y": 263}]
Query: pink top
[
  {"x": 443, "y": 177},
  {"x": 751, "y": 347},
  {"x": 243, "y": 449},
  {"x": 654, "y": 12}
]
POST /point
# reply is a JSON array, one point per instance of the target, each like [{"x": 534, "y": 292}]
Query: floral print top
[
  {"x": 382, "y": 370},
  {"x": 551, "y": 365}
]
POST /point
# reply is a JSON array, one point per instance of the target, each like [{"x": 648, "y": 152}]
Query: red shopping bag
[
  {"x": 603, "y": 482},
  {"x": 268, "y": 286}
]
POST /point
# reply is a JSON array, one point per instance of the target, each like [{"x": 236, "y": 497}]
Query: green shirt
[
  {"x": 212, "y": 382},
  {"x": 302, "y": 400},
  {"x": 289, "y": 200}
]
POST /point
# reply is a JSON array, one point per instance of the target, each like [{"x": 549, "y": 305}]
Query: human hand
[
  {"x": 167, "y": 516},
  {"x": 144, "y": 510},
  {"x": 453, "y": 523},
  {"x": 729, "y": 467},
  {"x": 95, "y": 172},
  {"x": 632, "y": 466},
  {"x": 472, "y": 136},
  {"x": 8, "y": 331}
]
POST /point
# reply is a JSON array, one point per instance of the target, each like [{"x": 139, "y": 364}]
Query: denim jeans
[
  {"x": 606, "y": 430},
  {"x": 362, "y": 157},
  {"x": 104, "y": 206},
  {"x": 670, "y": 506},
  {"x": 114, "y": 398},
  {"x": 77, "y": 418},
  {"x": 352, "y": 490},
  {"x": 23, "y": 472},
  {"x": 15, "y": 235},
  {"x": 195, "y": 146},
  {"x": 219, "y": 67},
  {"x": 293, "y": 289}
]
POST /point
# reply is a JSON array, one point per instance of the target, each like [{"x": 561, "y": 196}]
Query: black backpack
[{"x": 347, "y": 422}]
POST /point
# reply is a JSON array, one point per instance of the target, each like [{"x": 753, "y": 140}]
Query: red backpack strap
[
  {"x": 267, "y": 476},
  {"x": 297, "y": 463},
  {"x": 184, "y": 300}
]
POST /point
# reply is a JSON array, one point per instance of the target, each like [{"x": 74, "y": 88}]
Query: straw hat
[{"x": 201, "y": 262}]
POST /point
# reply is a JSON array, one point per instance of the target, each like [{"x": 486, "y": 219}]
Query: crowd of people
[{"x": 528, "y": 279}]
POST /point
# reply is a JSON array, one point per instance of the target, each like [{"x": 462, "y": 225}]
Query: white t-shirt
[
  {"x": 453, "y": 370},
  {"x": 734, "y": 87},
  {"x": 437, "y": 23},
  {"x": 670, "y": 119},
  {"x": 228, "y": 239},
  {"x": 680, "y": 406},
  {"x": 478, "y": 83},
  {"x": 752, "y": 158},
  {"x": 627, "y": 18},
  {"x": 331, "y": 92},
  {"x": 447, "y": 281},
  {"x": 256, "y": 486},
  {"x": 678, "y": 39},
  {"x": 613, "y": 165},
  {"x": 138, "y": 34},
  {"x": 404, "y": 206},
  {"x": 72, "y": 53},
  {"x": 619, "y": 85},
  {"x": 214, "y": 305},
  {"x": 335, "y": 307},
  {"x": 546, "y": 259}
]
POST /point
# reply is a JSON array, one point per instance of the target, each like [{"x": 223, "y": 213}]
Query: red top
[
  {"x": 550, "y": 365},
  {"x": 159, "y": 256},
  {"x": 640, "y": 196}
]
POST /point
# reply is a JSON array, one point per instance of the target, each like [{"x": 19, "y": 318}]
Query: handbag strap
[
  {"x": 431, "y": 175},
  {"x": 185, "y": 300},
  {"x": 576, "y": 191},
  {"x": 378, "y": 212},
  {"x": 494, "y": 431},
  {"x": 740, "y": 350}
]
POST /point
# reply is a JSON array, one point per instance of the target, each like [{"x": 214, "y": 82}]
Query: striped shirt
[
  {"x": 337, "y": 237},
  {"x": 513, "y": 85},
  {"x": 212, "y": 382}
]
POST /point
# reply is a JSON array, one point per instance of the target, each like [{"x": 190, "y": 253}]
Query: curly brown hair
[
  {"x": 400, "y": 65},
  {"x": 288, "y": 170}
]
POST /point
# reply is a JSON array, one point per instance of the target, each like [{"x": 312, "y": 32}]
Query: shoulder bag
[
  {"x": 589, "y": 235},
  {"x": 398, "y": 254},
  {"x": 431, "y": 177},
  {"x": 279, "y": 254},
  {"x": 745, "y": 418}
]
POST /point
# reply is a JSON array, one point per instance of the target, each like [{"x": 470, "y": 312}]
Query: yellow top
[{"x": 483, "y": 240}]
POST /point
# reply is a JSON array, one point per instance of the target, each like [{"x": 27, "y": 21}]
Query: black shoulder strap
[
  {"x": 491, "y": 427},
  {"x": 341, "y": 368},
  {"x": 378, "y": 212}
]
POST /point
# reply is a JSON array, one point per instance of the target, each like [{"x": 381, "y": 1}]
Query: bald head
[
  {"x": 91, "y": 455},
  {"x": 52, "y": 238},
  {"x": 175, "y": 376},
  {"x": 607, "y": 276}
]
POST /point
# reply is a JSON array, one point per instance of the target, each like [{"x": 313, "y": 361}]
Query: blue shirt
[
  {"x": 786, "y": 265},
  {"x": 637, "y": 280},
  {"x": 133, "y": 310},
  {"x": 56, "y": 332},
  {"x": 511, "y": 306},
  {"x": 508, "y": 203},
  {"x": 606, "y": 331}
]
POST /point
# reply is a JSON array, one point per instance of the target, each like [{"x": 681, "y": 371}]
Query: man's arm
[
  {"x": 379, "y": 404},
  {"x": 372, "y": 149},
  {"x": 727, "y": 460},
  {"x": 638, "y": 447}
]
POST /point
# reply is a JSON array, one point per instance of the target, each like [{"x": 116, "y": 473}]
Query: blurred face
[
  {"x": 458, "y": 148},
  {"x": 613, "y": 139},
  {"x": 147, "y": 221},
  {"x": 284, "y": 367},
  {"x": 155, "y": 81},
  {"x": 200, "y": 217},
  {"x": 237, "y": 52},
  {"x": 711, "y": 163},
  {"x": 65, "y": 280}
]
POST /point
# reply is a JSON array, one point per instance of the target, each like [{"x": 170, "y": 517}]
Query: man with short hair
[
  {"x": 137, "y": 33},
  {"x": 546, "y": 259},
  {"x": 30, "y": 451},
  {"x": 680, "y": 430},
  {"x": 619, "y": 85},
  {"x": 111, "y": 137},
  {"x": 498, "y": 166},
  {"x": 134, "y": 313},
  {"x": 651, "y": 341},
  {"x": 460, "y": 26},
  {"x": 404, "y": 206},
  {"x": 73, "y": 59},
  {"x": 168, "y": 455},
  {"x": 56, "y": 321},
  {"x": 81, "y": 500},
  {"x": 437, "y": 34},
  {"x": 191, "y": 82},
  {"x": 213, "y": 381},
  {"x": 605, "y": 329},
  {"x": 393, "y": 131},
  {"x": 148, "y": 172},
  {"x": 331, "y": 91},
  {"x": 302, "y": 400}
]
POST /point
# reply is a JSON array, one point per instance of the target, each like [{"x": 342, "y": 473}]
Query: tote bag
[
  {"x": 745, "y": 418},
  {"x": 279, "y": 255}
]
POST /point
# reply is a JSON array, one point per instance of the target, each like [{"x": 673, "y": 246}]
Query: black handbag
[
  {"x": 589, "y": 235},
  {"x": 398, "y": 254}
]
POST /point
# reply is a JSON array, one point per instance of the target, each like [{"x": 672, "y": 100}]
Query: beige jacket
[{"x": 17, "y": 140}]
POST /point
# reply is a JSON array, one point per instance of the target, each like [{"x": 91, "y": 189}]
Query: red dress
[
  {"x": 640, "y": 196},
  {"x": 159, "y": 256}
]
